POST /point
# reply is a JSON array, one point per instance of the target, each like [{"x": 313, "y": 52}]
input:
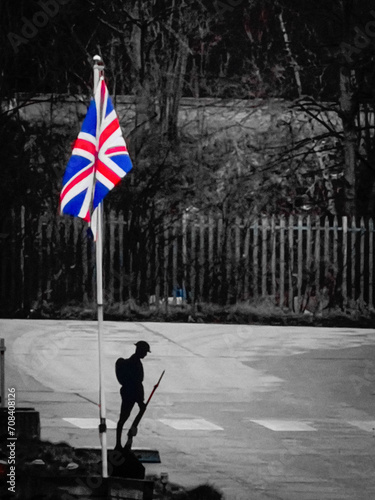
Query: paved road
[{"x": 261, "y": 412}]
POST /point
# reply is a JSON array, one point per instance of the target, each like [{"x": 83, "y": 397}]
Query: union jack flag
[{"x": 99, "y": 159}]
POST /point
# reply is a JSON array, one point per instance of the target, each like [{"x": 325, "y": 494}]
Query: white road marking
[
  {"x": 285, "y": 425},
  {"x": 364, "y": 425},
  {"x": 190, "y": 424},
  {"x": 89, "y": 423}
]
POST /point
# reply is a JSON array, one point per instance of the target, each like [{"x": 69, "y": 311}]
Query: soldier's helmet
[{"x": 141, "y": 344}]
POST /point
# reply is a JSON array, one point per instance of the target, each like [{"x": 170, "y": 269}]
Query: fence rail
[{"x": 298, "y": 263}]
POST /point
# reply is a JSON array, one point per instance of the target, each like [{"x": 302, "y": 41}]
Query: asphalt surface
[{"x": 260, "y": 412}]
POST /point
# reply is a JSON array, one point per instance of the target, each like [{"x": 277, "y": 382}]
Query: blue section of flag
[
  {"x": 75, "y": 165},
  {"x": 100, "y": 192},
  {"x": 73, "y": 207},
  {"x": 89, "y": 123},
  {"x": 110, "y": 107},
  {"x": 123, "y": 161}
]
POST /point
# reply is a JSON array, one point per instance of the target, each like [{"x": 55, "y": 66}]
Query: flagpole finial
[
  {"x": 98, "y": 70},
  {"x": 98, "y": 62},
  {"x": 98, "y": 59}
]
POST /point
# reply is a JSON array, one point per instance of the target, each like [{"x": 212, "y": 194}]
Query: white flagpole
[{"x": 98, "y": 71}]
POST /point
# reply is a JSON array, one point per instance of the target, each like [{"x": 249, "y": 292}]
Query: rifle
[{"x": 133, "y": 429}]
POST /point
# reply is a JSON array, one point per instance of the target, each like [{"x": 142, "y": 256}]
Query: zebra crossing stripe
[
  {"x": 89, "y": 423},
  {"x": 190, "y": 424},
  {"x": 364, "y": 425},
  {"x": 285, "y": 425}
]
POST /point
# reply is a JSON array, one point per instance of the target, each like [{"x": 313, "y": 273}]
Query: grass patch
[
  {"x": 262, "y": 311},
  {"x": 39, "y": 460}
]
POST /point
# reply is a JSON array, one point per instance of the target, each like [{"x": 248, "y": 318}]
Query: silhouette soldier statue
[{"x": 129, "y": 373}]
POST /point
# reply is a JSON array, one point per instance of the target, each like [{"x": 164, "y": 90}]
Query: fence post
[
  {"x": 246, "y": 258},
  {"x": 41, "y": 263},
  {"x": 184, "y": 257},
  {"x": 291, "y": 262},
  {"x": 282, "y": 261},
  {"x": 353, "y": 240},
  {"x": 308, "y": 284},
  {"x": 174, "y": 263},
  {"x": 192, "y": 263},
  {"x": 111, "y": 251},
  {"x": 22, "y": 258},
  {"x": 371, "y": 265},
  {"x": 273, "y": 259},
  {"x": 166, "y": 262},
  {"x": 13, "y": 294},
  {"x": 335, "y": 248},
  {"x": 255, "y": 258},
  {"x": 299, "y": 262},
  {"x": 85, "y": 273},
  {"x": 48, "y": 262},
  {"x": 210, "y": 256},
  {"x": 202, "y": 227},
  {"x": 220, "y": 252},
  {"x": 362, "y": 263},
  {"x": 157, "y": 271},
  {"x": 327, "y": 260},
  {"x": 264, "y": 255},
  {"x": 229, "y": 263},
  {"x": 238, "y": 285},
  {"x": 345, "y": 261},
  {"x": 2, "y": 372},
  {"x": 317, "y": 259},
  {"x": 76, "y": 265},
  {"x": 121, "y": 224}
]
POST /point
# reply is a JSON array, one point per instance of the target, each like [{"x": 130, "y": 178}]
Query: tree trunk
[
  {"x": 145, "y": 109},
  {"x": 292, "y": 59},
  {"x": 347, "y": 107},
  {"x": 171, "y": 96}
]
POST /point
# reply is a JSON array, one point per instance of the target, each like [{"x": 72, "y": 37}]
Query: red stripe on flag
[
  {"x": 107, "y": 172},
  {"x": 85, "y": 145},
  {"x": 117, "y": 149},
  {"x": 108, "y": 131},
  {"x": 78, "y": 179}
]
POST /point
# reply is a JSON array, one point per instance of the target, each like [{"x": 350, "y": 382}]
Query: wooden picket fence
[{"x": 298, "y": 263}]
